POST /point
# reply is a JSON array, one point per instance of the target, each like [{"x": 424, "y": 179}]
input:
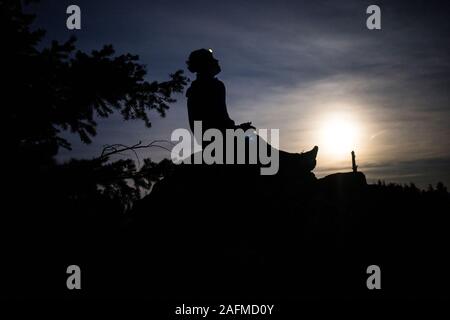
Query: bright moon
[{"x": 339, "y": 136}]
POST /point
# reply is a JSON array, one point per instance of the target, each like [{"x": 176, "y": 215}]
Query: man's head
[{"x": 203, "y": 62}]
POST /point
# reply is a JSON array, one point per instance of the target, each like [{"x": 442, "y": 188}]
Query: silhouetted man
[
  {"x": 206, "y": 102},
  {"x": 206, "y": 95}
]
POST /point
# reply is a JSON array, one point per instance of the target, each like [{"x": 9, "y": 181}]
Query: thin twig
[{"x": 118, "y": 148}]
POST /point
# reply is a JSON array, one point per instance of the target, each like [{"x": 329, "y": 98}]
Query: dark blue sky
[{"x": 310, "y": 68}]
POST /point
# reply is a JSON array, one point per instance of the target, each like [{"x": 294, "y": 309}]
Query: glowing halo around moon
[{"x": 339, "y": 135}]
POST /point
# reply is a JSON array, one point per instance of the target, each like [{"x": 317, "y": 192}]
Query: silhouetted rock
[{"x": 344, "y": 183}]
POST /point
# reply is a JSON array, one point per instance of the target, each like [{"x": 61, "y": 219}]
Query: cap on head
[{"x": 198, "y": 59}]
